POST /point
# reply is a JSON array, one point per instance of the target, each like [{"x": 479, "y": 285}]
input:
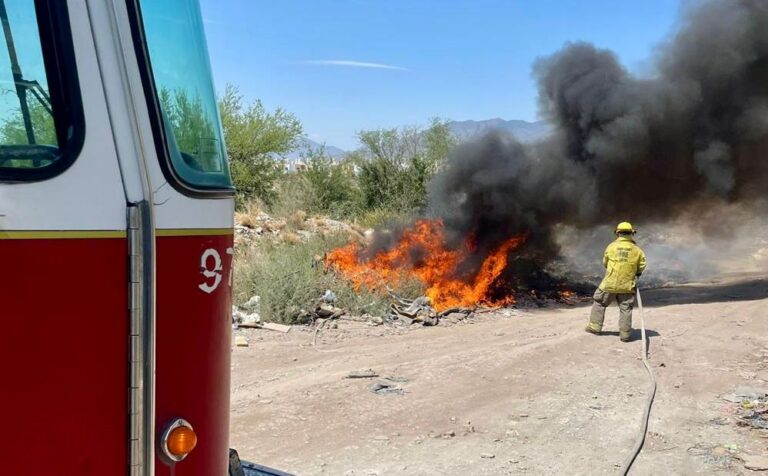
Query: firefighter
[{"x": 624, "y": 262}]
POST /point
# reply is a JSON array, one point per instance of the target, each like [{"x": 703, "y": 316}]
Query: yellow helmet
[{"x": 625, "y": 227}]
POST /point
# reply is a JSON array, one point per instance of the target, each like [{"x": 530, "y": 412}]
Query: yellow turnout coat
[{"x": 623, "y": 261}]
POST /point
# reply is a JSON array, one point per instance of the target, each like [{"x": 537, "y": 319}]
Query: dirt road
[{"x": 522, "y": 392}]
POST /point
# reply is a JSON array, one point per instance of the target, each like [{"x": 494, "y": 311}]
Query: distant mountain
[
  {"x": 523, "y": 131},
  {"x": 304, "y": 144}
]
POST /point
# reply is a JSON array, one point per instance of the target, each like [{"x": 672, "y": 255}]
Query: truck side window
[
  {"x": 34, "y": 126},
  {"x": 184, "y": 91}
]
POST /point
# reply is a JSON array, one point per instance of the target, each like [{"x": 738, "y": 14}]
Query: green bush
[
  {"x": 397, "y": 164},
  {"x": 255, "y": 140},
  {"x": 323, "y": 188}
]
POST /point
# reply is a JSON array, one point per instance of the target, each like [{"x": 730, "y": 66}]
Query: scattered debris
[
  {"x": 751, "y": 407},
  {"x": 731, "y": 397},
  {"x": 329, "y": 297},
  {"x": 751, "y": 393},
  {"x": 241, "y": 341},
  {"x": 720, "y": 456},
  {"x": 250, "y": 325},
  {"x": 328, "y": 311},
  {"x": 420, "y": 310},
  {"x": 385, "y": 387},
  {"x": 397, "y": 379},
  {"x": 755, "y": 418},
  {"x": 272, "y": 326},
  {"x": 368, "y": 373},
  {"x": 247, "y": 315},
  {"x": 375, "y": 321}
]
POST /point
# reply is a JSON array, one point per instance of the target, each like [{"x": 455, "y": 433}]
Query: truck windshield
[
  {"x": 28, "y": 136},
  {"x": 182, "y": 75}
]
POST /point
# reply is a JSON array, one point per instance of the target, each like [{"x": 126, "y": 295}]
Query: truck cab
[{"x": 116, "y": 241}]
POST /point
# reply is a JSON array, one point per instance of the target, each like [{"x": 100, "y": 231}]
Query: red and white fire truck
[{"x": 115, "y": 242}]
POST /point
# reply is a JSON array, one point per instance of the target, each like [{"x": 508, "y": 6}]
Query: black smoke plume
[{"x": 646, "y": 150}]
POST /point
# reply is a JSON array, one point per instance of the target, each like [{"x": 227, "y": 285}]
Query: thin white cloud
[{"x": 354, "y": 64}]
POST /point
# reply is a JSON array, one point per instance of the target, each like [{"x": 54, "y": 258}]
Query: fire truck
[{"x": 116, "y": 242}]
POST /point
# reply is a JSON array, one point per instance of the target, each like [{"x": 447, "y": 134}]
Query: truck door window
[
  {"x": 184, "y": 94},
  {"x": 36, "y": 131}
]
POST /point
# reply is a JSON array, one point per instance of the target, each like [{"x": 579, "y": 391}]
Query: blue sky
[{"x": 454, "y": 59}]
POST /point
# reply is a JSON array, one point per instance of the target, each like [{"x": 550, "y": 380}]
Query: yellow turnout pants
[{"x": 601, "y": 301}]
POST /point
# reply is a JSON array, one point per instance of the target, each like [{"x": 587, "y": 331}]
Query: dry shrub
[
  {"x": 297, "y": 220},
  {"x": 290, "y": 237},
  {"x": 274, "y": 225},
  {"x": 244, "y": 219},
  {"x": 248, "y": 215}
]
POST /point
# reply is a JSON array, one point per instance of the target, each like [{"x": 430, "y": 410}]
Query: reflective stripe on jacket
[{"x": 623, "y": 261}]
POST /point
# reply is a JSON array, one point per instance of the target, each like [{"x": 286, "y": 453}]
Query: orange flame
[{"x": 436, "y": 268}]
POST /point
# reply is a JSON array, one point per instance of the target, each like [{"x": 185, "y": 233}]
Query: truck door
[
  {"x": 64, "y": 251},
  {"x": 193, "y": 208}
]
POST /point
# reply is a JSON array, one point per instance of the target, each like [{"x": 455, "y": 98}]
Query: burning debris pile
[
  {"x": 421, "y": 253},
  {"x": 675, "y": 146}
]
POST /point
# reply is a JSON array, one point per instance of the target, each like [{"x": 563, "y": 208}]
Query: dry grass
[
  {"x": 290, "y": 237},
  {"x": 297, "y": 220},
  {"x": 290, "y": 278},
  {"x": 248, "y": 215}
]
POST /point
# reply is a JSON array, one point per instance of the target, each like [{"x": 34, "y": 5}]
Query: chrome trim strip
[{"x": 141, "y": 340}]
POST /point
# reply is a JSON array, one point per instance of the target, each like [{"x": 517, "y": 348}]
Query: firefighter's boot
[
  {"x": 593, "y": 328},
  {"x": 625, "y": 336}
]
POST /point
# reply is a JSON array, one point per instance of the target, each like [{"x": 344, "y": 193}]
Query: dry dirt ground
[{"x": 513, "y": 392}]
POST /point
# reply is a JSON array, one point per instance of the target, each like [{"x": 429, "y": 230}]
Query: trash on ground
[
  {"x": 241, "y": 341},
  {"x": 720, "y": 456},
  {"x": 367, "y": 373},
  {"x": 420, "y": 310},
  {"x": 751, "y": 409},
  {"x": 329, "y": 297},
  {"x": 385, "y": 387},
  {"x": 328, "y": 311},
  {"x": 247, "y": 315},
  {"x": 272, "y": 326},
  {"x": 396, "y": 379}
]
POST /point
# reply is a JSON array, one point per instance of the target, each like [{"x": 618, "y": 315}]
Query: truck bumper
[{"x": 244, "y": 468}]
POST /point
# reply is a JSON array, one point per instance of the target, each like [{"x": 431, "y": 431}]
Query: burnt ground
[{"x": 521, "y": 391}]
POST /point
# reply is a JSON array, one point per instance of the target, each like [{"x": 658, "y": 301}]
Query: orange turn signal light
[{"x": 179, "y": 439}]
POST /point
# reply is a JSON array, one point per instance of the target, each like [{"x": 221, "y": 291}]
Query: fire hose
[{"x": 647, "y": 413}]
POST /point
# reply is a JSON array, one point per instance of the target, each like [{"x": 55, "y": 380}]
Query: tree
[
  {"x": 12, "y": 130},
  {"x": 193, "y": 130},
  {"x": 396, "y": 164},
  {"x": 255, "y": 140},
  {"x": 333, "y": 185}
]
